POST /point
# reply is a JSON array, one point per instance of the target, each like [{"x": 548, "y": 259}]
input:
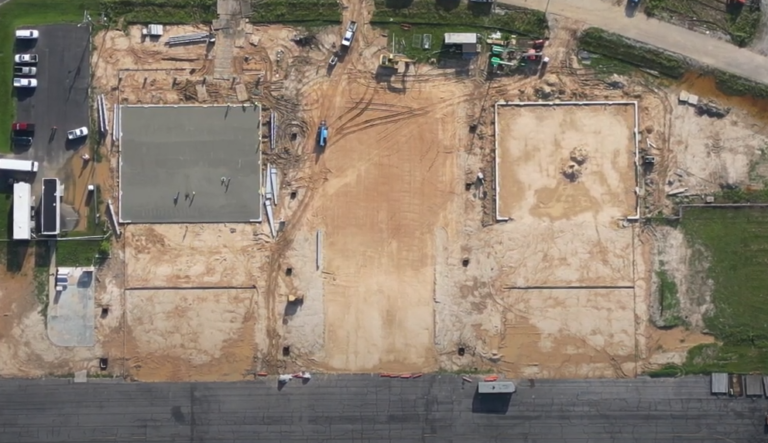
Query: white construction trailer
[
  {"x": 22, "y": 211},
  {"x": 9, "y": 164}
]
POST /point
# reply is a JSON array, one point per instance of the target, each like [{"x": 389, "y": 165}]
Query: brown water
[{"x": 704, "y": 86}]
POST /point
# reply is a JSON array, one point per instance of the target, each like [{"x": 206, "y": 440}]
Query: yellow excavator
[{"x": 398, "y": 62}]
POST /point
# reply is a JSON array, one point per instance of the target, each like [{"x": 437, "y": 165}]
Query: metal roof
[
  {"x": 22, "y": 211},
  {"x": 496, "y": 387},
  {"x": 754, "y": 386},
  {"x": 460, "y": 38},
  {"x": 50, "y": 208},
  {"x": 719, "y": 383}
]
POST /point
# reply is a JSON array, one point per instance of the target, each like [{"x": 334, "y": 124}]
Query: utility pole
[{"x": 546, "y": 8}]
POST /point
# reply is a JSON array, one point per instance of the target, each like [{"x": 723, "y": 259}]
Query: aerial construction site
[{"x": 292, "y": 200}]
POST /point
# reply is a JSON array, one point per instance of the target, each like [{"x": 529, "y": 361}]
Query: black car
[{"x": 21, "y": 141}]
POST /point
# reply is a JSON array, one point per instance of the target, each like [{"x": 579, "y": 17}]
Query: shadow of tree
[{"x": 448, "y": 5}]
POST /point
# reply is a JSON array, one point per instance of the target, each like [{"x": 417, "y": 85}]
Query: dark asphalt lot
[
  {"x": 61, "y": 97},
  {"x": 367, "y": 408}
]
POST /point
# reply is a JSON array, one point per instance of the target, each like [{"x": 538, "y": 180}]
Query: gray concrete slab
[
  {"x": 186, "y": 150},
  {"x": 366, "y": 408},
  {"x": 61, "y": 96},
  {"x": 71, "y": 310}
]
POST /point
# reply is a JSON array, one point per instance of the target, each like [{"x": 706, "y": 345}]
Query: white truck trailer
[{"x": 9, "y": 164}]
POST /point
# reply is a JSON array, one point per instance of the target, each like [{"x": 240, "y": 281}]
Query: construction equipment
[
  {"x": 322, "y": 134},
  {"x": 398, "y": 62},
  {"x": 349, "y": 35},
  {"x": 495, "y": 62}
]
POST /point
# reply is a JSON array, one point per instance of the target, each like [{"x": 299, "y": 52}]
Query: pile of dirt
[
  {"x": 571, "y": 171},
  {"x": 579, "y": 155}
]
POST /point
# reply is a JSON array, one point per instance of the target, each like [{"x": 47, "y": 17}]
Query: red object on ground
[
  {"x": 491, "y": 378},
  {"x": 262, "y": 374}
]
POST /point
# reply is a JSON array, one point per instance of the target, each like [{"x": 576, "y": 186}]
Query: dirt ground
[
  {"x": 193, "y": 256},
  {"x": 572, "y": 224},
  {"x": 390, "y": 258},
  {"x": 192, "y": 335}
]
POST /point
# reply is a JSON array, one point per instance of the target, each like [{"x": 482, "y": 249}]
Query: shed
[
  {"x": 496, "y": 387},
  {"x": 719, "y": 383},
  {"x": 754, "y": 386},
  {"x": 22, "y": 211},
  {"x": 460, "y": 38}
]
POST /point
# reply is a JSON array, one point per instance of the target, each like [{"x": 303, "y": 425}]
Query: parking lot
[{"x": 61, "y": 96}]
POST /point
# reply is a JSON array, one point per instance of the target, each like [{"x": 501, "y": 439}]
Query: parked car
[
  {"x": 25, "y": 70},
  {"x": 21, "y": 141},
  {"x": 25, "y": 82},
  {"x": 25, "y": 58},
  {"x": 77, "y": 133},
  {"x": 27, "y": 34},
  {"x": 22, "y": 126}
]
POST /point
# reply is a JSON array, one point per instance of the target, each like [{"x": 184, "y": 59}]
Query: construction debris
[{"x": 712, "y": 109}]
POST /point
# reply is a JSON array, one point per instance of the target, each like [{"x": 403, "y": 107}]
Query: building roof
[
  {"x": 22, "y": 211},
  {"x": 460, "y": 38},
  {"x": 470, "y": 48},
  {"x": 50, "y": 208}
]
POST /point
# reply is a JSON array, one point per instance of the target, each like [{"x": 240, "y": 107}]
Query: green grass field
[{"x": 735, "y": 244}]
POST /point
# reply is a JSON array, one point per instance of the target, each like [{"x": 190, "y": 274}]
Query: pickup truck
[
  {"x": 349, "y": 35},
  {"x": 23, "y": 127},
  {"x": 25, "y": 58},
  {"x": 25, "y": 82},
  {"x": 25, "y": 70}
]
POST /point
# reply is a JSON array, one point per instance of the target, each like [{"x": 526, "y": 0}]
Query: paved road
[
  {"x": 362, "y": 408},
  {"x": 673, "y": 38}
]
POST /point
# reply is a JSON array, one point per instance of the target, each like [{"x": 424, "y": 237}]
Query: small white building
[
  {"x": 466, "y": 40},
  {"x": 22, "y": 211}
]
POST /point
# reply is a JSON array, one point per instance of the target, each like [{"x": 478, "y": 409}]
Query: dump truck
[
  {"x": 322, "y": 134},
  {"x": 349, "y": 35}
]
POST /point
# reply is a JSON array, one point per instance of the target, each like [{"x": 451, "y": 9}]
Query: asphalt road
[
  {"x": 365, "y": 408},
  {"x": 61, "y": 97},
  {"x": 700, "y": 47}
]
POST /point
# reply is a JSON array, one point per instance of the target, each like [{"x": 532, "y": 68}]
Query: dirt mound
[
  {"x": 579, "y": 155},
  {"x": 571, "y": 171}
]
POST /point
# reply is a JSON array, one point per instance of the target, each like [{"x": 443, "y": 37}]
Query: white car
[
  {"x": 25, "y": 82},
  {"x": 77, "y": 133},
  {"x": 27, "y": 34},
  {"x": 25, "y": 58}
]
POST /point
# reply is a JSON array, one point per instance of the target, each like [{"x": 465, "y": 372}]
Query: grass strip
[
  {"x": 161, "y": 11},
  {"x": 467, "y": 14},
  {"x": 296, "y": 11}
]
